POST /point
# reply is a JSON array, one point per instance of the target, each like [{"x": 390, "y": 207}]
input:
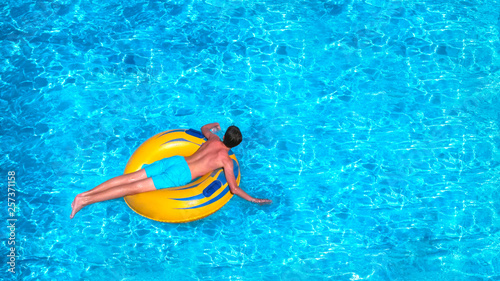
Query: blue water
[{"x": 373, "y": 126}]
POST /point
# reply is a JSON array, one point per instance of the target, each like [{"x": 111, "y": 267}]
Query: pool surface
[{"x": 372, "y": 125}]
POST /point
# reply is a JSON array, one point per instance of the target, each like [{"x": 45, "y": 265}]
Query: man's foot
[{"x": 77, "y": 205}]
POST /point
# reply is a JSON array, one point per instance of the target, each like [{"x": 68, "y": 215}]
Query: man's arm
[
  {"x": 206, "y": 130},
  {"x": 233, "y": 186}
]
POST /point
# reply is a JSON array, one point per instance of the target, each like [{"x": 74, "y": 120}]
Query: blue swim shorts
[{"x": 169, "y": 172}]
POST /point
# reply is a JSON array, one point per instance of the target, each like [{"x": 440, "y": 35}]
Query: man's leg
[
  {"x": 116, "y": 181},
  {"x": 112, "y": 192}
]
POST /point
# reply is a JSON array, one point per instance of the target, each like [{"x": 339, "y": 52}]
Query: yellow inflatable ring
[{"x": 196, "y": 200}]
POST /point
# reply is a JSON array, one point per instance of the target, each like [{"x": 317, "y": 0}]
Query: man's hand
[
  {"x": 216, "y": 128},
  {"x": 206, "y": 130},
  {"x": 262, "y": 201}
]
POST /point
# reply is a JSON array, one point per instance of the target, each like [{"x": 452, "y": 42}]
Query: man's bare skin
[{"x": 212, "y": 154}]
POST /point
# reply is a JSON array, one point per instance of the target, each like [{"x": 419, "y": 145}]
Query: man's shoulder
[
  {"x": 222, "y": 154},
  {"x": 216, "y": 146},
  {"x": 213, "y": 141},
  {"x": 213, "y": 137}
]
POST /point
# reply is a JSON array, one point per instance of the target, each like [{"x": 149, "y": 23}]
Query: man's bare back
[
  {"x": 210, "y": 156},
  {"x": 214, "y": 154}
]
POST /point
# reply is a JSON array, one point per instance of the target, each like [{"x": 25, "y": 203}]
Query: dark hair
[{"x": 232, "y": 137}]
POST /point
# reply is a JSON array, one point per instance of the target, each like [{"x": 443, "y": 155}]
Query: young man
[{"x": 211, "y": 155}]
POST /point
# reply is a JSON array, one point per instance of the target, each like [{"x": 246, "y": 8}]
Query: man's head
[{"x": 232, "y": 137}]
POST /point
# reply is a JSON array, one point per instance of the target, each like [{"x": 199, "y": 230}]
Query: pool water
[{"x": 372, "y": 125}]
